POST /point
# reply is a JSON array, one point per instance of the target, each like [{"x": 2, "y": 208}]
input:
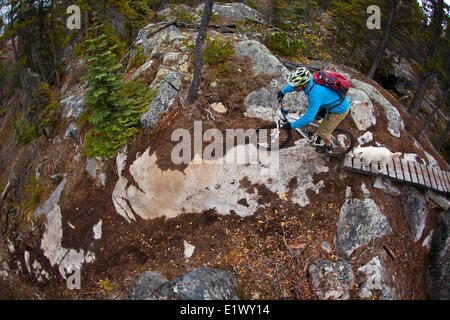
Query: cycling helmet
[{"x": 299, "y": 77}]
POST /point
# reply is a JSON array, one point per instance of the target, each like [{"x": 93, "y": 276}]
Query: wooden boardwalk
[{"x": 404, "y": 171}]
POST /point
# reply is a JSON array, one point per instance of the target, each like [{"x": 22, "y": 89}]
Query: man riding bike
[{"x": 319, "y": 96}]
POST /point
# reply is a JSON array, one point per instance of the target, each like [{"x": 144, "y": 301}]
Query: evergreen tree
[
  {"x": 139, "y": 19},
  {"x": 115, "y": 117}
]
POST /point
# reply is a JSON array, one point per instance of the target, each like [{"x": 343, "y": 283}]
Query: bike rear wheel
[
  {"x": 270, "y": 137},
  {"x": 343, "y": 142}
]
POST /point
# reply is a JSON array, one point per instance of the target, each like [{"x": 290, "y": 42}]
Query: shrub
[
  {"x": 139, "y": 58},
  {"x": 46, "y": 108},
  {"x": 217, "y": 51},
  {"x": 25, "y": 131},
  {"x": 185, "y": 17},
  {"x": 281, "y": 43}
]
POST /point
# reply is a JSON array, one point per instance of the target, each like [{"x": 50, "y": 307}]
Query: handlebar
[{"x": 284, "y": 112}]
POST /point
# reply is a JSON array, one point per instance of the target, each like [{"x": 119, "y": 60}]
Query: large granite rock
[
  {"x": 415, "y": 210},
  {"x": 438, "y": 273},
  {"x": 374, "y": 279},
  {"x": 154, "y": 41},
  {"x": 402, "y": 77},
  {"x": 235, "y": 12},
  {"x": 361, "y": 111},
  {"x": 162, "y": 101},
  {"x": 72, "y": 105},
  {"x": 261, "y": 102},
  {"x": 360, "y": 221},
  {"x": 143, "y": 287},
  {"x": 331, "y": 280},
  {"x": 67, "y": 260},
  {"x": 199, "y": 284},
  {"x": 395, "y": 122},
  {"x": 219, "y": 184}
]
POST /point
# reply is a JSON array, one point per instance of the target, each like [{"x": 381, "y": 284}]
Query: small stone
[
  {"x": 440, "y": 200},
  {"x": 188, "y": 249},
  {"x": 97, "y": 230},
  {"x": 365, "y": 138},
  {"x": 218, "y": 107}
]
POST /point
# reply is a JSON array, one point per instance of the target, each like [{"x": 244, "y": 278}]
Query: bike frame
[{"x": 284, "y": 117}]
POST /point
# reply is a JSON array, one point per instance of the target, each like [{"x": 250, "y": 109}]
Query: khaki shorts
[{"x": 327, "y": 126}]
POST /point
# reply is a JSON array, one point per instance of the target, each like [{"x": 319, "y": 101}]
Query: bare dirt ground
[{"x": 268, "y": 253}]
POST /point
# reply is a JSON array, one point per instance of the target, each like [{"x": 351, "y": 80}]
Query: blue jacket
[{"x": 318, "y": 96}]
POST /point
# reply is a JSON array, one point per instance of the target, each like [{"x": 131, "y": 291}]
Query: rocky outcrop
[
  {"x": 360, "y": 221},
  {"x": 260, "y": 103},
  {"x": 365, "y": 138},
  {"x": 386, "y": 186},
  {"x": 67, "y": 260},
  {"x": 154, "y": 41},
  {"x": 374, "y": 279},
  {"x": 415, "y": 210},
  {"x": 361, "y": 112},
  {"x": 158, "y": 105},
  {"x": 214, "y": 184},
  {"x": 198, "y": 284},
  {"x": 438, "y": 275},
  {"x": 331, "y": 279},
  {"x": 401, "y": 77},
  {"x": 235, "y": 12},
  {"x": 439, "y": 200},
  {"x": 72, "y": 105},
  {"x": 143, "y": 287},
  {"x": 395, "y": 122}
]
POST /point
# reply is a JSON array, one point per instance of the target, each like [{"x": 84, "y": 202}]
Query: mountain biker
[{"x": 318, "y": 96}]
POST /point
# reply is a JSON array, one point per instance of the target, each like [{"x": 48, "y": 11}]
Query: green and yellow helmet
[{"x": 299, "y": 77}]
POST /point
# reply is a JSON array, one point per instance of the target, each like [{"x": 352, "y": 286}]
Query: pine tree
[{"x": 115, "y": 116}]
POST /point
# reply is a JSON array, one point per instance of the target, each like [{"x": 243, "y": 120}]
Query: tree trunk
[
  {"x": 207, "y": 11},
  {"x": 443, "y": 136},
  {"x": 41, "y": 23},
  {"x": 384, "y": 42},
  {"x": 11, "y": 26},
  {"x": 421, "y": 90},
  {"x": 426, "y": 122},
  {"x": 55, "y": 61}
]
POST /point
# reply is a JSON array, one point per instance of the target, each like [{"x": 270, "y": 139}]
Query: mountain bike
[{"x": 276, "y": 136}]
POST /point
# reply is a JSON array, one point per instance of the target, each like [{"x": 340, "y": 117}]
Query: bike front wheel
[
  {"x": 343, "y": 142},
  {"x": 271, "y": 138}
]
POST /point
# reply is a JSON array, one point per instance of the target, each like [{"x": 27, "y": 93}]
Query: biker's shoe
[
  {"x": 309, "y": 133},
  {"x": 323, "y": 149}
]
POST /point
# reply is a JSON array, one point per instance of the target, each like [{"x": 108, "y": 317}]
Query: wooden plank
[
  {"x": 412, "y": 172},
  {"x": 419, "y": 174},
  {"x": 357, "y": 163},
  {"x": 365, "y": 168},
  {"x": 383, "y": 169},
  {"x": 448, "y": 175},
  {"x": 447, "y": 181},
  {"x": 425, "y": 176},
  {"x": 398, "y": 169},
  {"x": 432, "y": 180},
  {"x": 441, "y": 177},
  {"x": 391, "y": 169},
  {"x": 438, "y": 179},
  {"x": 348, "y": 163},
  {"x": 406, "y": 175},
  {"x": 444, "y": 178},
  {"x": 374, "y": 168}
]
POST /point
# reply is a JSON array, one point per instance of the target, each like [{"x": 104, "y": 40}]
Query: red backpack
[{"x": 332, "y": 80}]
